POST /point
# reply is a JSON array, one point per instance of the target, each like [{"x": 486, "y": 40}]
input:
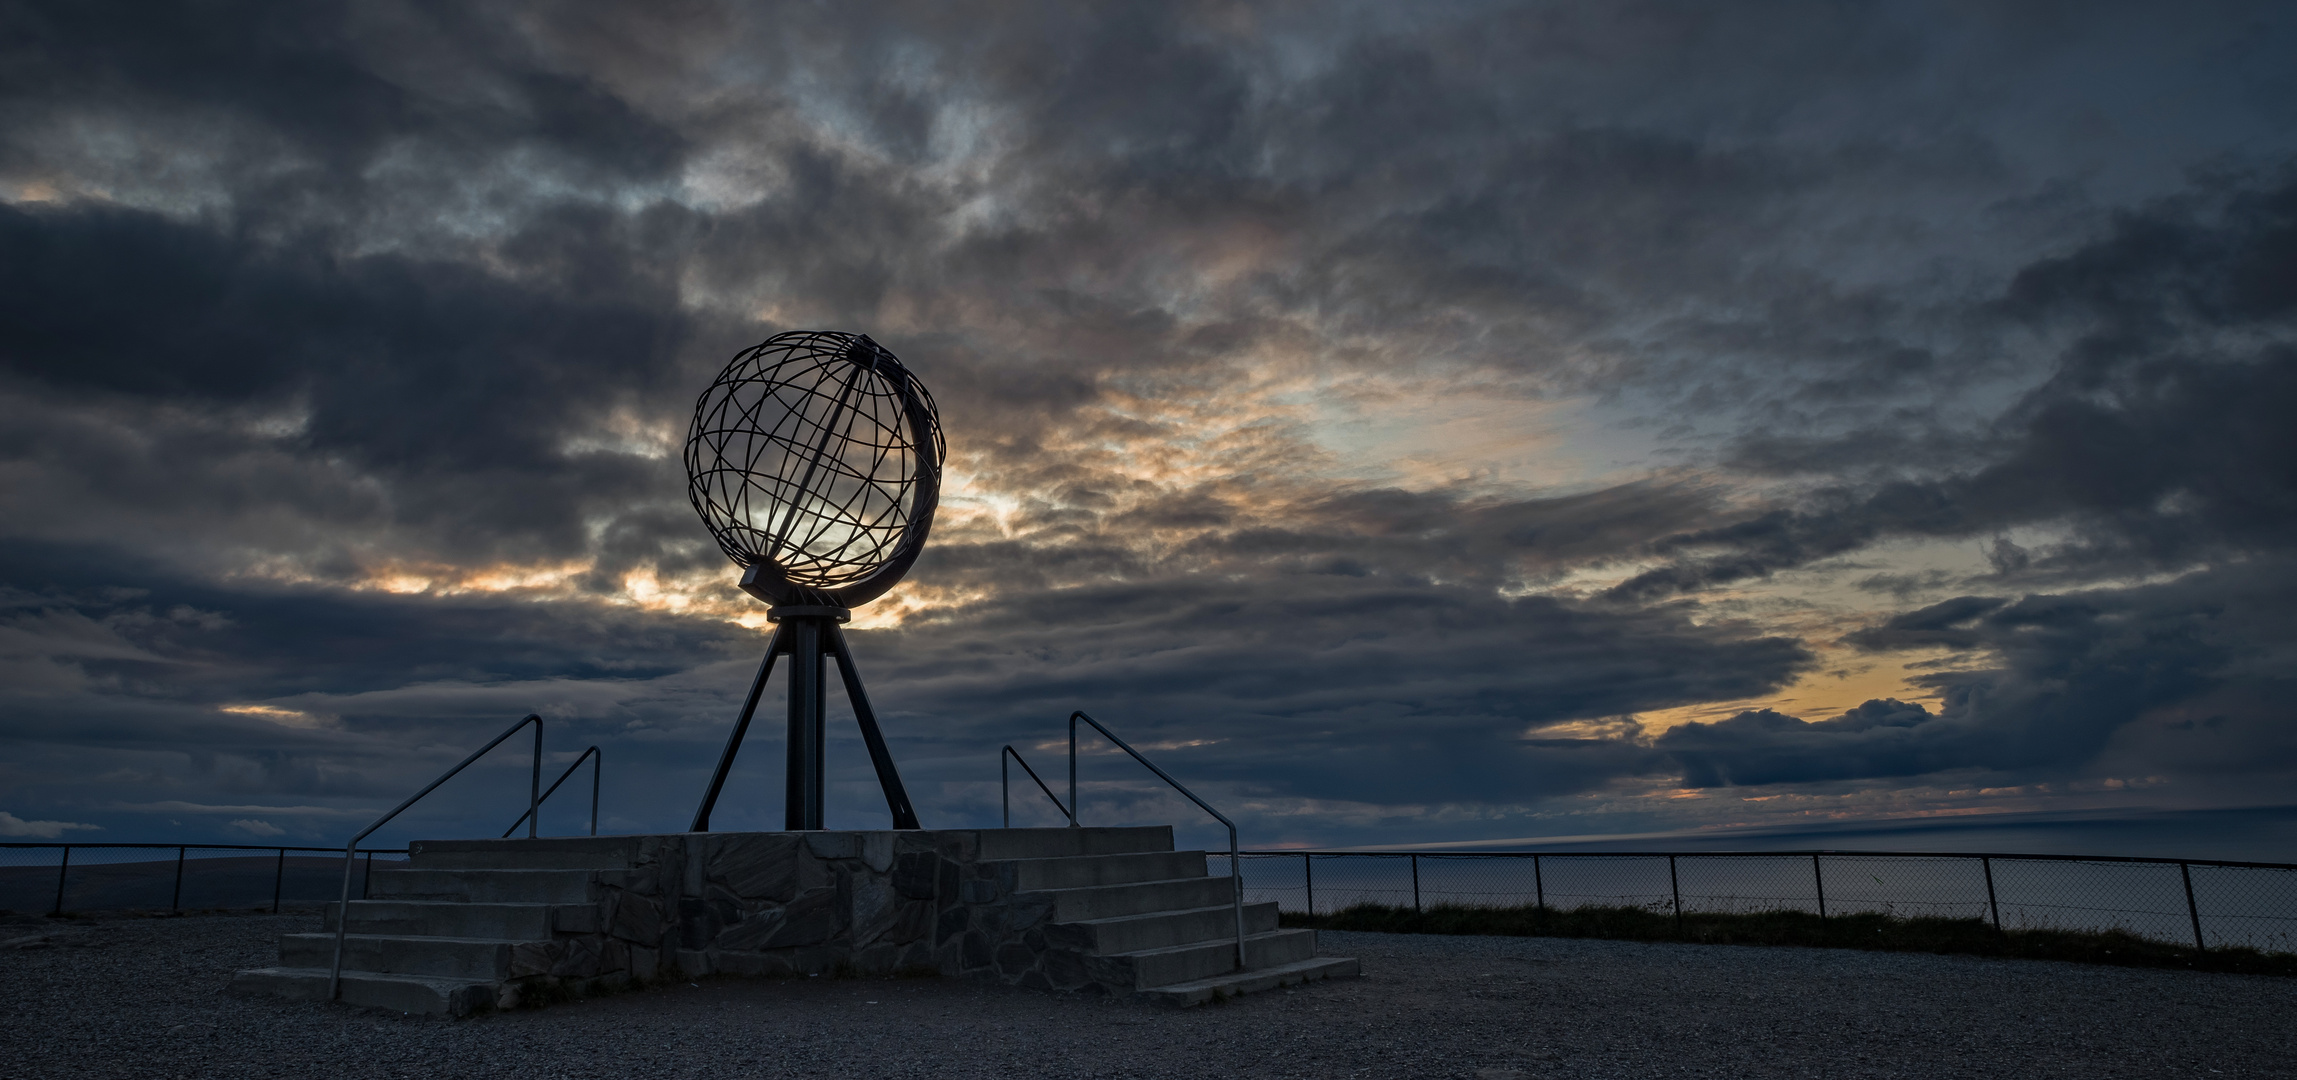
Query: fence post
[
  {"x": 2185, "y": 871},
  {"x": 1308, "y": 870},
  {"x": 60, "y": 869},
  {"x": 1539, "y": 887},
  {"x": 1820, "y": 879},
  {"x": 1986, "y": 862},
  {"x": 175, "y": 901},
  {"x": 1415, "y": 883},
  {"x": 278, "y": 878},
  {"x": 1675, "y": 885}
]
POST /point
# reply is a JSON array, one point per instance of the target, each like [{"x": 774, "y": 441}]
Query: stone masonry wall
[{"x": 869, "y": 903}]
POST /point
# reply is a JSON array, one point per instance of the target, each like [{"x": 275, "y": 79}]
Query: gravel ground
[{"x": 145, "y": 998}]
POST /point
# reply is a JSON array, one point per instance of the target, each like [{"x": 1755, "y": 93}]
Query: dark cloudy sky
[{"x": 1412, "y": 422}]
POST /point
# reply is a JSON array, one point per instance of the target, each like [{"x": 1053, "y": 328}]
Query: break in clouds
[{"x": 1413, "y": 424}]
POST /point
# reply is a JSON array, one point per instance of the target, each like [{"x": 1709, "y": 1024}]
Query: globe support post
[
  {"x": 810, "y": 637},
  {"x": 802, "y": 787}
]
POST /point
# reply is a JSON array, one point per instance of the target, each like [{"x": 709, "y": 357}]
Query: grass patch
[{"x": 1974, "y": 937}]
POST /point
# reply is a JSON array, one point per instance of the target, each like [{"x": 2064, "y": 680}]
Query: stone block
[
  {"x": 811, "y": 919},
  {"x": 645, "y": 964},
  {"x": 833, "y": 845},
  {"x": 976, "y": 950},
  {"x": 697, "y": 924},
  {"x": 752, "y": 932},
  {"x": 637, "y": 919},
  {"x": 1013, "y": 958},
  {"x": 914, "y": 924},
  {"x": 814, "y": 873},
  {"x": 1029, "y": 909},
  {"x": 877, "y": 851},
  {"x": 756, "y": 866},
  {"x": 875, "y": 908},
  {"x": 951, "y": 923},
  {"x": 1066, "y": 969},
  {"x": 530, "y": 958},
  {"x": 1067, "y": 936},
  {"x": 694, "y": 963},
  {"x": 945, "y": 881},
  {"x": 977, "y": 891},
  {"x": 914, "y": 873},
  {"x": 578, "y": 958}
]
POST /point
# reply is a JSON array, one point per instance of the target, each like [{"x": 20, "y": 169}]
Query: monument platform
[{"x": 471, "y": 925}]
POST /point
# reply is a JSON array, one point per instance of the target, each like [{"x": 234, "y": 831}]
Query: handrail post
[
  {"x": 62, "y": 868},
  {"x": 175, "y": 899},
  {"x": 351, "y": 849},
  {"x": 2185, "y": 870},
  {"x": 1675, "y": 885},
  {"x": 1004, "y": 780},
  {"x": 534, "y": 788},
  {"x": 278, "y": 879},
  {"x": 1235, "y": 863},
  {"x": 1986, "y": 863},
  {"x": 597, "y": 759}
]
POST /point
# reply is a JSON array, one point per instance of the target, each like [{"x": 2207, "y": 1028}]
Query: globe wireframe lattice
[{"x": 817, "y": 455}]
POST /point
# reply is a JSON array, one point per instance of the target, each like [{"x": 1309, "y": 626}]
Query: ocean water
[{"x": 2236, "y": 906}]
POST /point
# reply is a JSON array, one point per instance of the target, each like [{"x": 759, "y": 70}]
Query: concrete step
[
  {"x": 443, "y": 957},
  {"x": 485, "y": 886},
  {"x": 547, "y": 853},
  {"x": 1084, "y": 871},
  {"x": 440, "y": 918},
  {"x": 999, "y": 844},
  {"x": 1160, "y": 929},
  {"x": 1199, "y": 991},
  {"x": 1203, "y": 960},
  {"x": 1137, "y": 898},
  {"x": 425, "y": 994}
]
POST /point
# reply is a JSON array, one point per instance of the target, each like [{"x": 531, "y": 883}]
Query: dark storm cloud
[
  {"x": 2071, "y": 676},
  {"x": 329, "y": 80},
  {"x": 2161, "y": 438},
  {"x": 1296, "y": 682},
  {"x": 454, "y": 387}
]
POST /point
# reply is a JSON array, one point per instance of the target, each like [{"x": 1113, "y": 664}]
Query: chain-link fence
[
  {"x": 56, "y": 878},
  {"x": 2207, "y": 903}
]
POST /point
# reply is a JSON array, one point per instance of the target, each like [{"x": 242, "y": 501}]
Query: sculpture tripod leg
[{"x": 808, "y": 642}]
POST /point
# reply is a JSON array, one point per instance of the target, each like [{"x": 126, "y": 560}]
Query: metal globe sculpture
[{"x": 815, "y": 460}]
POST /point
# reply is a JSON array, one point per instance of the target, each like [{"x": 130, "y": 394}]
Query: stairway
[
  {"x": 459, "y": 939},
  {"x": 1149, "y": 923},
  {"x": 470, "y": 926}
]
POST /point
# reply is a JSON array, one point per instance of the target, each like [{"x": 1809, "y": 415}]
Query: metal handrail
[
  {"x": 1235, "y": 873},
  {"x": 597, "y": 765},
  {"x": 533, "y": 800},
  {"x": 1005, "y": 785}
]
